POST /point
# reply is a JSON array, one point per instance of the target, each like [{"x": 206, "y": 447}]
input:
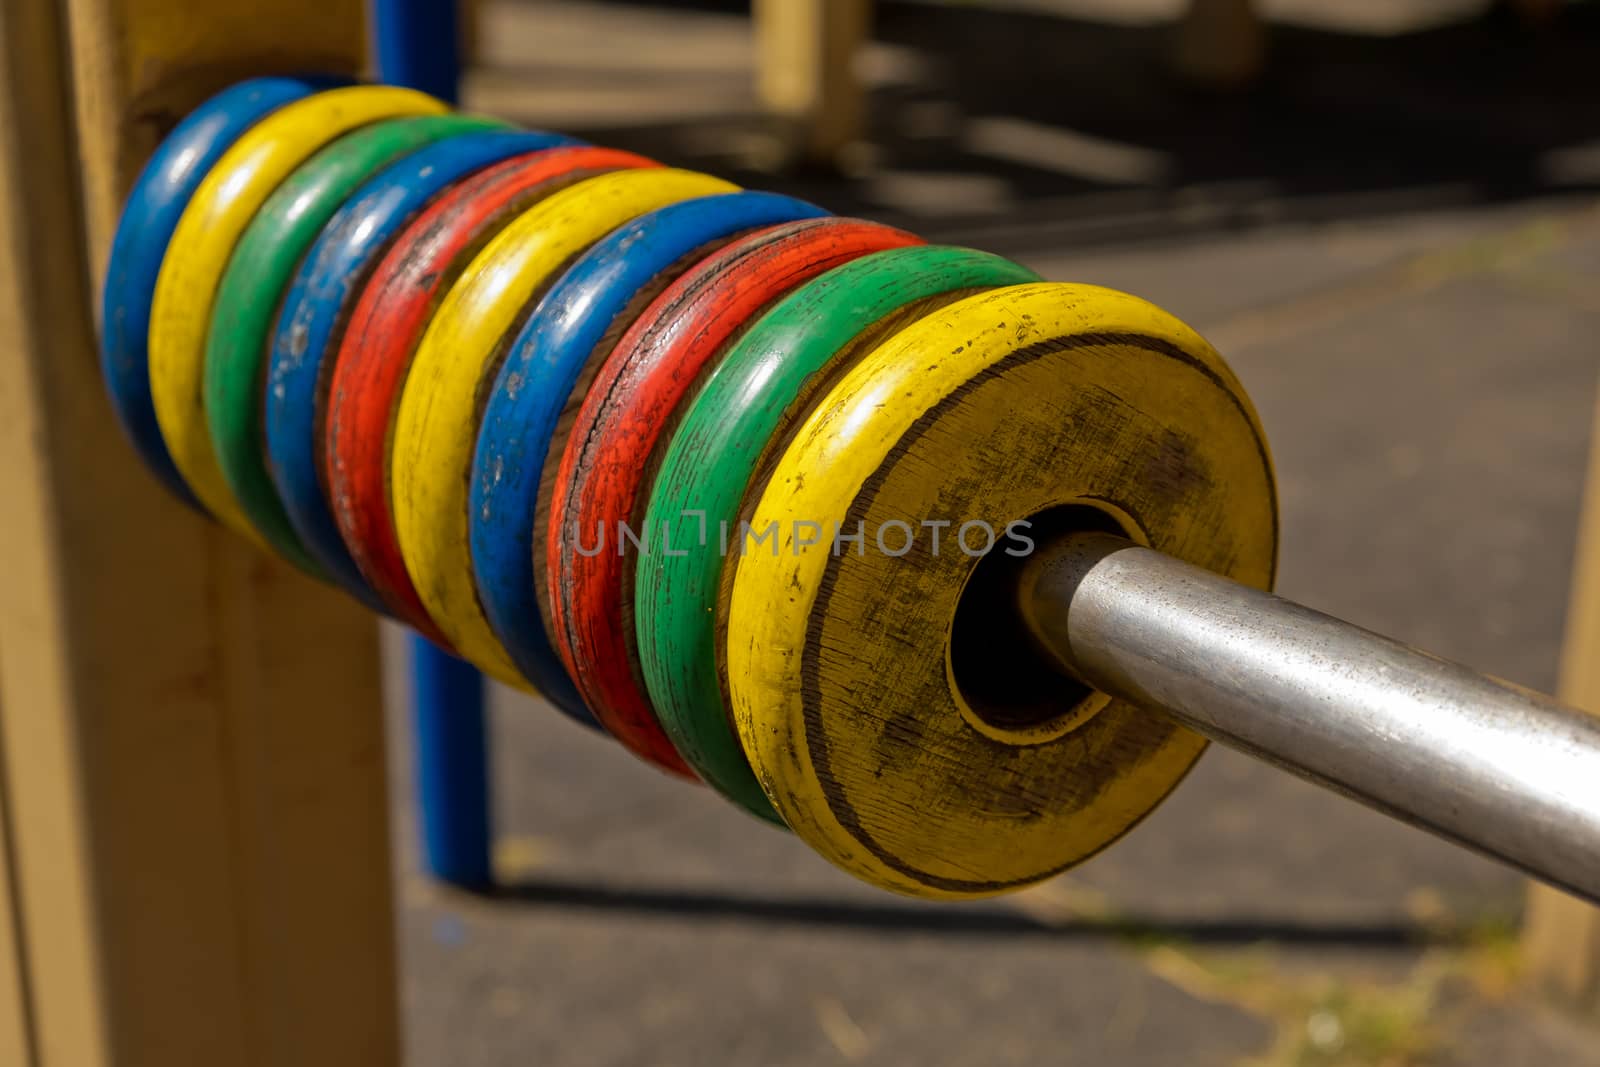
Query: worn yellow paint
[
  {"x": 992, "y": 409},
  {"x": 435, "y": 426},
  {"x": 169, "y": 697},
  {"x": 186, "y": 288}
]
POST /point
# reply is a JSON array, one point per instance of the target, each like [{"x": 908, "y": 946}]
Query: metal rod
[{"x": 1505, "y": 771}]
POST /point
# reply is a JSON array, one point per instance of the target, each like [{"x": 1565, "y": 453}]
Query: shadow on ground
[
  {"x": 954, "y": 921},
  {"x": 981, "y": 115}
]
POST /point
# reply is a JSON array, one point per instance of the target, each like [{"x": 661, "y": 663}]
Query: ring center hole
[{"x": 1011, "y": 688}]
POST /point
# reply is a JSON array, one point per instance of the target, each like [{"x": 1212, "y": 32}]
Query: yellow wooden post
[
  {"x": 1221, "y": 43},
  {"x": 16, "y": 1022},
  {"x": 1538, "y": 12},
  {"x": 191, "y": 733},
  {"x": 469, "y": 14},
  {"x": 805, "y": 74},
  {"x": 1562, "y": 937}
]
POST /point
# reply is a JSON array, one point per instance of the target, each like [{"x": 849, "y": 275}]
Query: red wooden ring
[
  {"x": 621, "y": 429},
  {"x": 385, "y": 326}
]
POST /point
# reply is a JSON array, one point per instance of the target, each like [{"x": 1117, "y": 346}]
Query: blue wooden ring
[
  {"x": 316, "y": 307},
  {"x": 159, "y": 196},
  {"x": 541, "y": 368}
]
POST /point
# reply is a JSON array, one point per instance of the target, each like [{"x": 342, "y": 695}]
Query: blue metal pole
[
  {"x": 415, "y": 44},
  {"x": 451, "y": 766}
]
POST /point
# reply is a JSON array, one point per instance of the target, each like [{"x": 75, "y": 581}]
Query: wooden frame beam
[
  {"x": 16, "y": 1016},
  {"x": 192, "y": 733}
]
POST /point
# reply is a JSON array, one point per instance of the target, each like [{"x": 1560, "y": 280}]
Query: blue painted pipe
[
  {"x": 415, "y": 43},
  {"x": 452, "y": 766}
]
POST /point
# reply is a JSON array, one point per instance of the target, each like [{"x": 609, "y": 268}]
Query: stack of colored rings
[{"x": 668, "y": 453}]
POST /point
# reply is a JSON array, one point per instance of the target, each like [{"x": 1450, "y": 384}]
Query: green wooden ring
[
  {"x": 251, "y": 291},
  {"x": 757, "y": 392}
]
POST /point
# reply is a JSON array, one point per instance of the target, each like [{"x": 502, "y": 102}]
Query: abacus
[{"x": 891, "y": 544}]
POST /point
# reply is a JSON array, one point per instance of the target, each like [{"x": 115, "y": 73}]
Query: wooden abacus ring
[
  {"x": 252, "y": 289},
  {"x": 603, "y": 475},
  {"x": 436, "y": 420},
  {"x": 385, "y": 326},
  {"x": 871, "y": 691},
  {"x": 547, "y": 370},
  {"x": 150, "y": 216},
  {"x": 316, "y": 308},
  {"x": 752, "y": 397},
  {"x": 222, "y": 207}
]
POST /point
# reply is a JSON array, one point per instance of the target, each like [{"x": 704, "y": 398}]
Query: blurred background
[{"x": 1384, "y": 214}]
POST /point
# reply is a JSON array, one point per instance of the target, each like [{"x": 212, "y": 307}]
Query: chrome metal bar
[{"x": 1508, "y": 772}]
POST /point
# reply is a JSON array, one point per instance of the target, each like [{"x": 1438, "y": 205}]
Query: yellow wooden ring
[
  {"x": 210, "y": 226},
  {"x": 436, "y": 420},
  {"x": 1034, "y": 401}
]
